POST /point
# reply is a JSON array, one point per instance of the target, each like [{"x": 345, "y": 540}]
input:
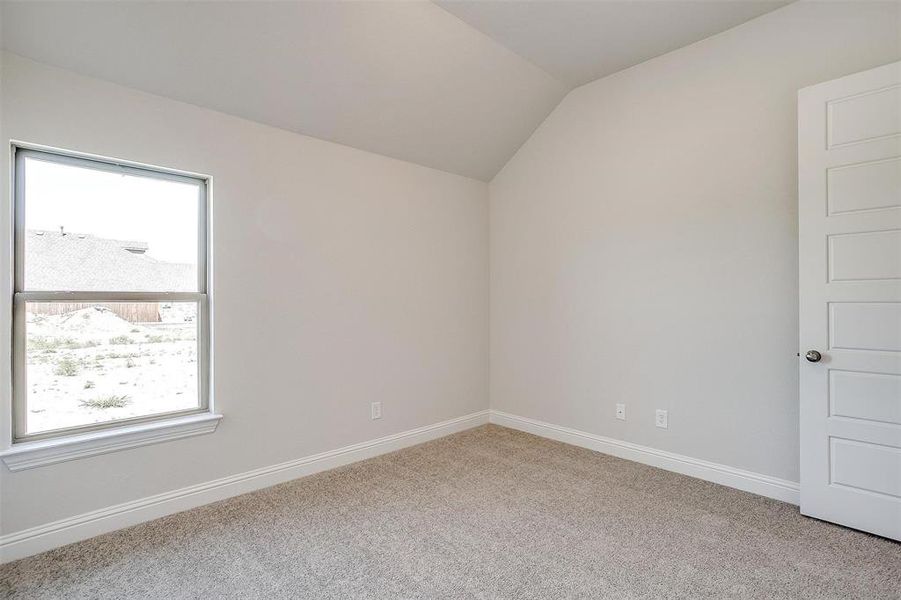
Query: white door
[{"x": 849, "y": 213}]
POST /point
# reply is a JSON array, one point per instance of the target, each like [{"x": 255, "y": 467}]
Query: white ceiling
[
  {"x": 578, "y": 41},
  {"x": 458, "y": 92},
  {"x": 403, "y": 79}
]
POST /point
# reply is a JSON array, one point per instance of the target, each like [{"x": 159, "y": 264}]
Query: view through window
[{"x": 110, "y": 303}]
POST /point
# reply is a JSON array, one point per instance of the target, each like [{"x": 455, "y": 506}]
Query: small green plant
[
  {"x": 88, "y": 385},
  {"x": 135, "y": 330},
  {"x": 43, "y": 343},
  {"x": 121, "y": 339},
  {"x": 104, "y": 402},
  {"x": 66, "y": 367},
  {"x": 51, "y": 344},
  {"x": 159, "y": 339}
]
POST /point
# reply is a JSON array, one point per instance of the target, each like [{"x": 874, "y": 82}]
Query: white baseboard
[
  {"x": 66, "y": 531},
  {"x": 748, "y": 481},
  {"x": 59, "y": 533}
]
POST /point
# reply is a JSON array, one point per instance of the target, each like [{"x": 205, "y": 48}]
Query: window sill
[{"x": 28, "y": 455}]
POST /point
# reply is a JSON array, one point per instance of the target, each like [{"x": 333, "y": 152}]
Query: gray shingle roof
[{"x": 80, "y": 262}]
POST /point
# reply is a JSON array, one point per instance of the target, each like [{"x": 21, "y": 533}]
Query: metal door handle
[{"x": 813, "y": 356}]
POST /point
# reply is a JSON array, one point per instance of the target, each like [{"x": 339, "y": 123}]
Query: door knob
[{"x": 813, "y": 356}]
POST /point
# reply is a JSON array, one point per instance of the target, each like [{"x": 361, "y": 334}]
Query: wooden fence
[{"x": 133, "y": 312}]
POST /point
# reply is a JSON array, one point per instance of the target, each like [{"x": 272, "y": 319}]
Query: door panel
[
  {"x": 867, "y": 467},
  {"x": 870, "y": 326},
  {"x": 872, "y": 185},
  {"x": 866, "y": 116},
  {"x": 870, "y": 255},
  {"x": 849, "y": 213},
  {"x": 866, "y": 396}
]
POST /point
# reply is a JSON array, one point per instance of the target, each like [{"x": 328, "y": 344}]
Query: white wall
[
  {"x": 643, "y": 243},
  {"x": 340, "y": 278}
]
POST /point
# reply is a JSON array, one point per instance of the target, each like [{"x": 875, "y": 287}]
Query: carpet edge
[
  {"x": 740, "y": 479},
  {"x": 41, "y": 538}
]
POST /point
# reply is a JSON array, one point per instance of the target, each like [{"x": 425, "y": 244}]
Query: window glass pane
[
  {"x": 91, "y": 230},
  {"x": 92, "y": 363}
]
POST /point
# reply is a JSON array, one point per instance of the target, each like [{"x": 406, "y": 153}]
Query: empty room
[{"x": 450, "y": 299}]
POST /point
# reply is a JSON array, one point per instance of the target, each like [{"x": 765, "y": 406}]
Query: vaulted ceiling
[
  {"x": 578, "y": 41},
  {"x": 458, "y": 87}
]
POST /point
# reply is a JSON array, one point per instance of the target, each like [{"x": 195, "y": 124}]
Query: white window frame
[{"x": 34, "y": 449}]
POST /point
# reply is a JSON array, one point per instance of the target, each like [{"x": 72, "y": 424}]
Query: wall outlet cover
[
  {"x": 661, "y": 419},
  {"x": 376, "y": 410},
  {"x": 621, "y": 412}
]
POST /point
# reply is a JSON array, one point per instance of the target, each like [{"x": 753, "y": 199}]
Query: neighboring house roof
[{"x": 80, "y": 262}]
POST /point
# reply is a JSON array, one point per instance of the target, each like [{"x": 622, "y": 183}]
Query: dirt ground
[{"x": 90, "y": 366}]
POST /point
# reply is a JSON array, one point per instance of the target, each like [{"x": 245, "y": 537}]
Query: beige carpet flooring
[{"x": 488, "y": 513}]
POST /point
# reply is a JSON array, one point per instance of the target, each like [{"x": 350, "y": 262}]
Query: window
[{"x": 111, "y": 306}]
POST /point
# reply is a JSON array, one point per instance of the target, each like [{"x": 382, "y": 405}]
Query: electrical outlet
[
  {"x": 661, "y": 419},
  {"x": 621, "y": 412},
  {"x": 376, "y": 410}
]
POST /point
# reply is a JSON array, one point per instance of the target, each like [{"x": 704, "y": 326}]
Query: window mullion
[{"x": 60, "y": 296}]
